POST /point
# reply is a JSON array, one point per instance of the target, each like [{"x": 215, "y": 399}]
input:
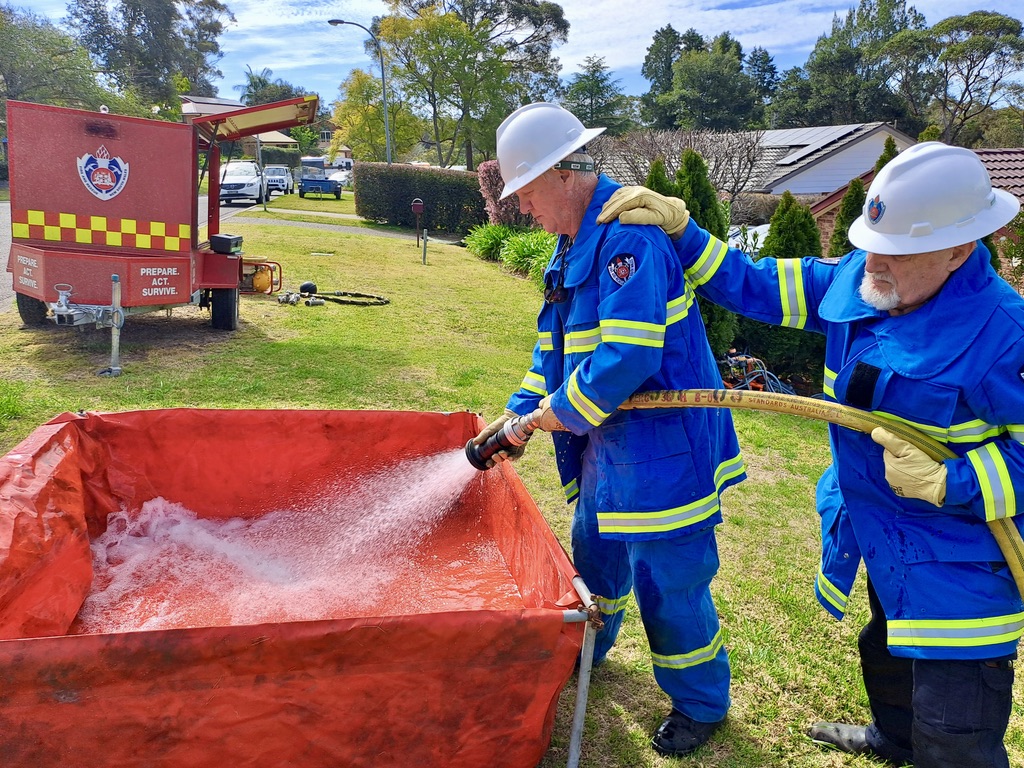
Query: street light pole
[{"x": 383, "y": 83}]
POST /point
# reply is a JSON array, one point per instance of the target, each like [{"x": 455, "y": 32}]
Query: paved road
[{"x": 6, "y": 284}]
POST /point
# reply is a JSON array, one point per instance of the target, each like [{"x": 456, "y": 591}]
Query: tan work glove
[
  {"x": 640, "y": 205},
  {"x": 511, "y": 454},
  {"x": 909, "y": 471},
  {"x": 548, "y": 421}
]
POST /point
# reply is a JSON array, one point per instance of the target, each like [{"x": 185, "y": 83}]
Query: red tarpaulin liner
[{"x": 459, "y": 688}]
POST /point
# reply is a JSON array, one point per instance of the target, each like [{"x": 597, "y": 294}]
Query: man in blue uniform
[
  {"x": 619, "y": 317},
  {"x": 919, "y": 328}
]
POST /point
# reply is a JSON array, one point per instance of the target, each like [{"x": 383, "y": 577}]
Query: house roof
[
  {"x": 789, "y": 151},
  {"x": 1006, "y": 167},
  {"x": 275, "y": 138}
]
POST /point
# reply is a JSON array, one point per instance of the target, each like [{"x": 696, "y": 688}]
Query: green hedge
[
  {"x": 451, "y": 199},
  {"x": 281, "y": 156},
  {"x": 3, "y": 170}
]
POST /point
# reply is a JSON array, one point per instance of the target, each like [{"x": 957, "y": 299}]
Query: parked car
[
  {"x": 279, "y": 177},
  {"x": 345, "y": 177},
  {"x": 243, "y": 180}
]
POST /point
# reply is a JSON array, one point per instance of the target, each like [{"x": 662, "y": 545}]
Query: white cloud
[{"x": 292, "y": 37}]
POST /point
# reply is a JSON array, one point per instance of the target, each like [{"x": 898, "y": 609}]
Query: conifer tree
[
  {"x": 889, "y": 151},
  {"x": 787, "y": 351},
  {"x": 694, "y": 186},
  {"x": 849, "y": 209}
]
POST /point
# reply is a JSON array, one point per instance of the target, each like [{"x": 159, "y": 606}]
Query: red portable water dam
[{"x": 192, "y": 587}]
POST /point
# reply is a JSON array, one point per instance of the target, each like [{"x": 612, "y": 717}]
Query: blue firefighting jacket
[
  {"x": 953, "y": 369},
  {"x": 629, "y": 325}
]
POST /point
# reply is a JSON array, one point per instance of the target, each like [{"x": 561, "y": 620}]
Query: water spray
[{"x": 513, "y": 434}]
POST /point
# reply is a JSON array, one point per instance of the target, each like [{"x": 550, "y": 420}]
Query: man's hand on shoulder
[{"x": 639, "y": 205}]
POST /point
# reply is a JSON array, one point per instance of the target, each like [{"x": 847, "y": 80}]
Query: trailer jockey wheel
[
  {"x": 224, "y": 308},
  {"x": 32, "y": 311}
]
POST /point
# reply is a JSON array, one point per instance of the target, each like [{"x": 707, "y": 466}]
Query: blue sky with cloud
[{"x": 292, "y": 37}]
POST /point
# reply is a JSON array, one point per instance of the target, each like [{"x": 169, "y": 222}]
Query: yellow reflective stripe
[
  {"x": 691, "y": 659},
  {"x": 676, "y": 517},
  {"x": 994, "y": 479},
  {"x": 633, "y": 332},
  {"x": 830, "y": 592},
  {"x": 660, "y": 520},
  {"x": 1015, "y": 431},
  {"x": 678, "y": 309},
  {"x": 544, "y": 339},
  {"x": 610, "y": 605},
  {"x": 708, "y": 262},
  {"x": 571, "y": 490},
  {"x": 963, "y": 633},
  {"x": 828, "y": 384},
  {"x": 791, "y": 292},
  {"x": 583, "y": 340},
  {"x": 583, "y": 404},
  {"x": 534, "y": 382},
  {"x": 973, "y": 431},
  {"x": 729, "y": 469}
]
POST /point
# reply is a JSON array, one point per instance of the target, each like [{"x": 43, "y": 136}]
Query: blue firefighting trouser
[
  {"x": 935, "y": 713},
  {"x": 671, "y": 580}
]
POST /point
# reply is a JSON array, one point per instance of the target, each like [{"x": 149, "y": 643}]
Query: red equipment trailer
[{"x": 104, "y": 214}]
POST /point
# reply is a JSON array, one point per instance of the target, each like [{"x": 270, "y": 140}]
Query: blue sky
[{"x": 292, "y": 37}]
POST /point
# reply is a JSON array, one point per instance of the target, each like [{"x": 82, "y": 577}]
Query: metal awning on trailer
[{"x": 229, "y": 126}]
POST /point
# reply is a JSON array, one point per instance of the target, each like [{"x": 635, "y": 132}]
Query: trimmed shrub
[
  {"x": 3, "y": 170},
  {"x": 485, "y": 240},
  {"x": 451, "y": 199},
  {"x": 499, "y": 211},
  {"x": 281, "y": 156}
]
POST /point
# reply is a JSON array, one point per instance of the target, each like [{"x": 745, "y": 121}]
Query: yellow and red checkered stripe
[{"x": 101, "y": 230}]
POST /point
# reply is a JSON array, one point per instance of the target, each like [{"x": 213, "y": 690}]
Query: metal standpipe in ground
[{"x": 590, "y": 613}]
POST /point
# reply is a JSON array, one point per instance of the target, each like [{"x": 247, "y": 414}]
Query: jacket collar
[
  {"x": 579, "y": 260},
  {"x": 923, "y": 343}
]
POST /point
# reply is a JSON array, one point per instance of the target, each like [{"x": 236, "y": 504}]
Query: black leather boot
[
  {"x": 851, "y": 739},
  {"x": 680, "y": 735}
]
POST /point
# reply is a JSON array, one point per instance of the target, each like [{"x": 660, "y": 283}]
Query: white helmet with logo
[
  {"x": 535, "y": 137},
  {"x": 930, "y": 197}
]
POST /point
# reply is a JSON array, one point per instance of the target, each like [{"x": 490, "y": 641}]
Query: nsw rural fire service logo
[{"x": 103, "y": 175}]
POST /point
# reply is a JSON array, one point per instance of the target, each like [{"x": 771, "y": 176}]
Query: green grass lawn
[
  {"x": 458, "y": 335},
  {"x": 5, "y": 193}
]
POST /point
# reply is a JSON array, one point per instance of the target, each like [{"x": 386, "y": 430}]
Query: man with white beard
[{"x": 920, "y": 329}]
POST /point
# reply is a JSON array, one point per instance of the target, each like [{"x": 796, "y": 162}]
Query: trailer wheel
[
  {"x": 337, "y": 195},
  {"x": 301, "y": 193},
  {"x": 224, "y": 308},
  {"x": 32, "y": 311}
]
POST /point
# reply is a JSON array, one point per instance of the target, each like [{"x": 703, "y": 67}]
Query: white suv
[
  {"x": 243, "y": 180},
  {"x": 279, "y": 177}
]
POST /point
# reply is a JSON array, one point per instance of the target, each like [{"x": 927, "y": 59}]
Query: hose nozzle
[{"x": 513, "y": 434}]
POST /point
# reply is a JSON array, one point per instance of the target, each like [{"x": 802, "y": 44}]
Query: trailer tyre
[
  {"x": 301, "y": 193},
  {"x": 224, "y": 308},
  {"x": 32, "y": 311}
]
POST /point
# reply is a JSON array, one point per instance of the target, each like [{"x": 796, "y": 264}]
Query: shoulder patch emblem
[
  {"x": 832, "y": 260},
  {"x": 621, "y": 268},
  {"x": 1020, "y": 373}
]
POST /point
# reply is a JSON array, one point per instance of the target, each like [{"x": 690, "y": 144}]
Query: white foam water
[{"x": 348, "y": 552}]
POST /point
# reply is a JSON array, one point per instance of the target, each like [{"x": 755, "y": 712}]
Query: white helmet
[
  {"x": 535, "y": 137},
  {"x": 930, "y": 197}
]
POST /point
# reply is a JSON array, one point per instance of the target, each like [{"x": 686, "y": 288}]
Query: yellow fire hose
[{"x": 1005, "y": 532}]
